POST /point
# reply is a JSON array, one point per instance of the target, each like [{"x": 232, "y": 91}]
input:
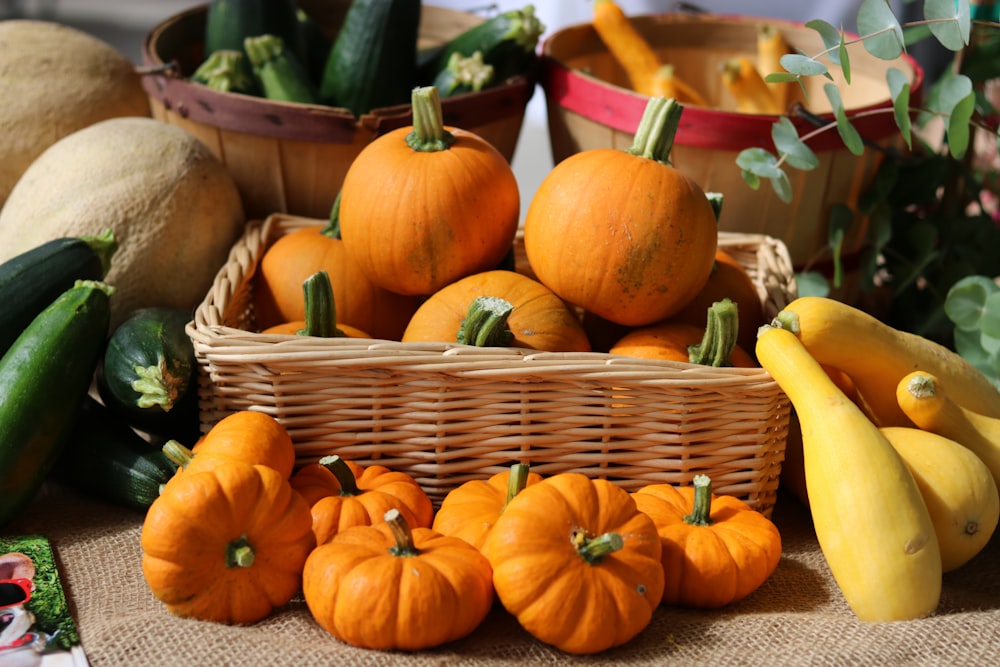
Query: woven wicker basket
[{"x": 448, "y": 413}]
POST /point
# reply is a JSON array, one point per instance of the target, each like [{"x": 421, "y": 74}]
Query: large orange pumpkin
[
  {"x": 622, "y": 233},
  {"x": 535, "y": 317},
  {"x": 425, "y": 205}
]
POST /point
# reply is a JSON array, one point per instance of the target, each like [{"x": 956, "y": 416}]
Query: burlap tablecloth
[{"x": 797, "y": 617}]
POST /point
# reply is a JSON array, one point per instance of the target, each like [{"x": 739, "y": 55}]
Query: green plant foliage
[
  {"x": 973, "y": 306},
  {"x": 881, "y": 33}
]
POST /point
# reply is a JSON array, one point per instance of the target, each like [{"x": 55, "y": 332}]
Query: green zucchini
[
  {"x": 29, "y": 282},
  {"x": 278, "y": 72},
  {"x": 229, "y": 22},
  {"x": 507, "y": 42},
  {"x": 464, "y": 74},
  {"x": 372, "y": 62},
  {"x": 226, "y": 72},
  {"x": 107, "y": 459},
  {"x": 147, "y": 374},
  {"x": 45, "y": 375}
]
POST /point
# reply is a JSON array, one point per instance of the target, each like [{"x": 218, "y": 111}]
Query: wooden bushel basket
[
  {"x": 292, "y": 157},
  {"x": 589, "y": 106},
  {"x": 448, "y": 413}
]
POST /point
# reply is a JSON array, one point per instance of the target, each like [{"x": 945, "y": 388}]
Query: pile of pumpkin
[
  {"x": 421, "y": 239},
  {"x": 237, "y": 533}
]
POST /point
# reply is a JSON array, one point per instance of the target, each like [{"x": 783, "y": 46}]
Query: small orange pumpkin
[
  {"x": 226, "y": 544},
  {"x": 711, "y": 344},
  {"x": 393, "y": 586},
  {"x": 247, "y": 436},
  {"x": 470, "y": 509},
  {"x": 425, "y": 205},
  {"x": 342, "y": 493},
  {"x": 716, "y": 549},
  {"x": 622, "y": 233},
  {"x": 500, "y": 308},
  {"x": 320, "y": 313},
  {"x": 296, "y": 255},
  {"x": 576, "y": 563}
]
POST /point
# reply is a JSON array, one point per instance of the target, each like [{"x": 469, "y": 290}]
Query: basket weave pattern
[{"x": 447, "y": 413}]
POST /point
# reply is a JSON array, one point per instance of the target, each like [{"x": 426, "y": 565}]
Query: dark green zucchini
[
  {"x": 107, "y": 459},
  {"x": 507, "y": 42},
  {"x": 29, "y": 282},
  {"x": 44, "y": 377},
  {"x": 229, "y": 22},
  {"x": 372, "y": 62},
  {"x": 277, "y": 71},
  {"x": 147, "y": 374}
]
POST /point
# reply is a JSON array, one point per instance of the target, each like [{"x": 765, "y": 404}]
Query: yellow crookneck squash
[
  {"x": 393, "y": 586},
  {"x": 226, "y": 544},
  {"x": 871, "y": 522},
  {"x": 576, "y": 563},
  {"x": 716, "y": 549}
]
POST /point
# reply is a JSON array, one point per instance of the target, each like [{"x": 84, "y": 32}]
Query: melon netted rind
[
  {"x": 173, "y": 206},
  {"x": 55, "y": 80}
]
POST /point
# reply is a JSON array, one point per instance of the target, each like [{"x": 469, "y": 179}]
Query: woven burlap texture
[{"x": 797, "y": 617}]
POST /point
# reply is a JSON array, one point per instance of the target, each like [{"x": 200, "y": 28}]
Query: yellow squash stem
[
  {"x": 666, "y": 83},
  {"x": 748, "y": 88},
  {"x": 871, "y": 522}
]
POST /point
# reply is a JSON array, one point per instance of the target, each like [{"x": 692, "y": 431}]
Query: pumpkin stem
[
  {"x": 339, "y": 468},
  {"x": 594, "y": 549},
  {"x": 719, "y": 341},
  {"x": 701, "y": 507},
  {"x": 321, "y": 310},
  {"x": 654, "y": 137},
  {"x": 485, "y": 323},
  {"x": 516, "y": 481},
  {"x": 177, "y": 453},
  {"x": 429, "y": 134},
  {"x": 239, "y": 552},
  {"x": 332, "y": 228},
  {"x": 403, "y": 534}
]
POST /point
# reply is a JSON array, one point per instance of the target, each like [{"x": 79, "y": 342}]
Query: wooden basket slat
[{"x": 447, "y": 413}]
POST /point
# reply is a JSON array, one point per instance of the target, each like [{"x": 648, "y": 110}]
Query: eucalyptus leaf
[
  {"x": 782, "y": 187},
  {"x": 966, "y": 301},
  {"x": 969, "y": 346},
  {"x": 797, "y": 63},
  {"x": 840, "y": 222},
  {"x": 990, "y": 324},
  {"x": 852, "y": 140},
  {"x": 949, "y": 92},
  {"x": 832, "y": 38},
  {"x": 991, "y": 346},
  {"x": 899, "y": 89},
  {"x": 812, "y": 283},
  {"x": 781, "y": 77},
  {"x": 786, "y": 140},
  {"x": 758, "y": 161},
  {"x": 845, "y": 61},
  {"x": 949, "y": 21},
  {"x": 958, "y": 126},
  {"x": 881, "y": 33}
]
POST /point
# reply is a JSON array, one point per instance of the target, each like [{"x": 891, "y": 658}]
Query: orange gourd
[
  {"x": 470, "y": 510},
  {"x": 711, "y": 345},
  {"x": 293, "y": 257},
  {"x": 320, "y": 313},
  {"x": 246, "y": 436},
  {"x": 622, "y": 233},
  {"x": 425, "y": 205},
  {"x": 716, "y": 548},
  {"x": 342, "y": 493},
  {"x": 393, "y": 586},
  {"x": 500, "y": 308},
  {"x": 576, "y": 563},
  {"x": 226, "y": 544}
]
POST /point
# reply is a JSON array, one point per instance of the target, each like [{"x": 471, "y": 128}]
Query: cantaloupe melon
[
  {"x": 173, "y": 206},
  {"x": 56, "y": 80}
]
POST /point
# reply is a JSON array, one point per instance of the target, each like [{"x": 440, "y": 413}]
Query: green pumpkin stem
[
  {"x": 178, "y": 454},
  {"x": 340, "y": 470},
  {"x": 654, "y": 137},
  {"x": 239, "y": 552},
  {"x": 485, "y": 323},
  {"x": 403, "y": 534},
  {"x": 719, "y": 341},
  {"x": 594, "y": 549},
  {"x": 701, "y": 507},
  {"x": 332, "y": 228},
  {"x": 516, "y": 481},
  {"x": 321, "y": 310},
  {"x": 429, "y": 134}
]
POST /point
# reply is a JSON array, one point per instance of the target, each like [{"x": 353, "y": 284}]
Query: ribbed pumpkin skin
[
  {"x": 188, "y": 527},
  {"x": 277, "y": 286},
  {"x": 415, "y": 221},
  {"x": 247, "y": 436},
  {"x": 625, "y": 237},
  {"x": 669, "y": 341},
  {"x": 557, "y": 595},
  {"x": 540, "y": 319}
]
